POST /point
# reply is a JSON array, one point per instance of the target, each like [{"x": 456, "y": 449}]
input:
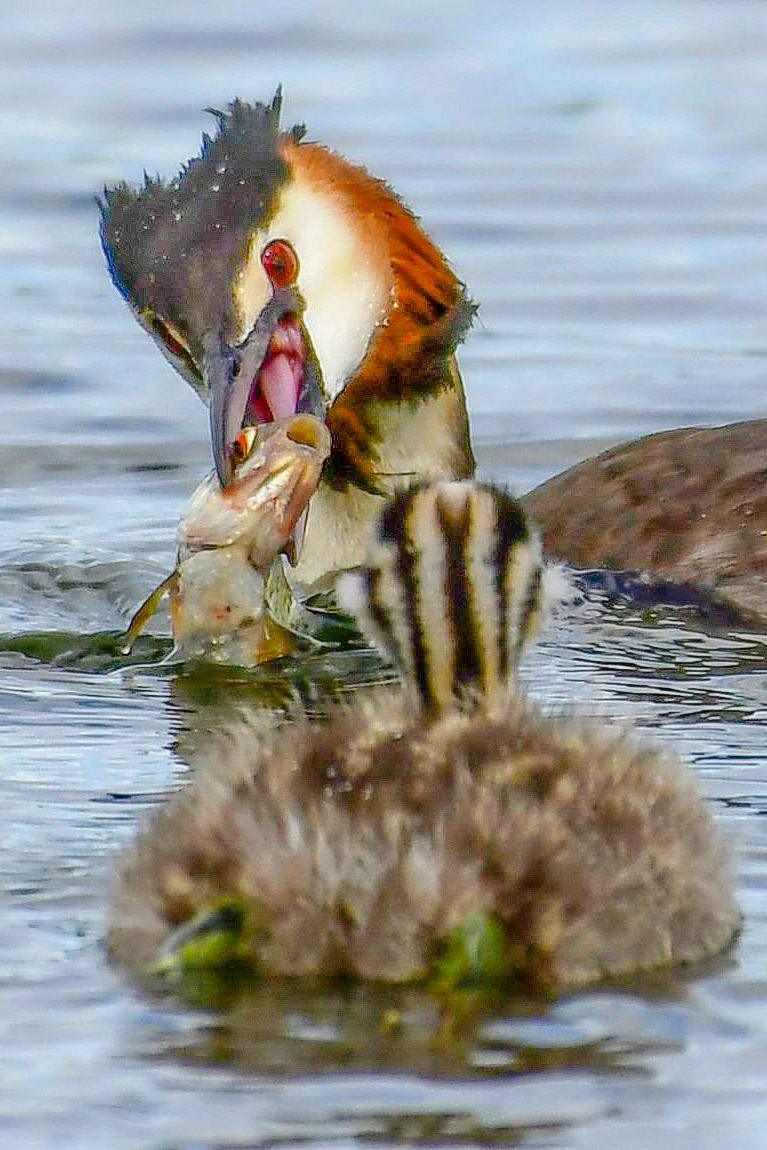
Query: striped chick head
[{"x": 451, "y": 590}]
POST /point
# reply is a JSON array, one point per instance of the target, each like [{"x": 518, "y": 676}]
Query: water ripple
[{"x": 599, "y": 183}]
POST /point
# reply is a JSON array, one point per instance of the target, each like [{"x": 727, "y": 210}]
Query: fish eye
[
  {"x": 243, "y": 445},
  {"x": 280, "y": 263}
]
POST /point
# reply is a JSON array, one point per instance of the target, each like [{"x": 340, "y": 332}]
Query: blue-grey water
[{"x": 598, "y": 174}]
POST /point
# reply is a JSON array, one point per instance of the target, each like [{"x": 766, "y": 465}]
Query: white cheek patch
[
  {"x": 252, "y": 289},
  {"x": 344, "y": 278}
]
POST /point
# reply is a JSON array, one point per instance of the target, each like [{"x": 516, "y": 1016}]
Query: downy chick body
[{"x": 447, "y": 829}]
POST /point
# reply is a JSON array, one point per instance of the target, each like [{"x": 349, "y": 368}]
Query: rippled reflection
[{"x": 597, "y": 177}]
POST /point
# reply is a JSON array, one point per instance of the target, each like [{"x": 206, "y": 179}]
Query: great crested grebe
[
  {"x": 279, "y": 278},
  {"x": 448, "y": 830}
]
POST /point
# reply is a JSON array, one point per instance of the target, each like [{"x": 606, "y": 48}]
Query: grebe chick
[{"x": 447, "y": 831}]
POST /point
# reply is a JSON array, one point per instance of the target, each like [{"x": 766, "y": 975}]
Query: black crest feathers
[{"x": 172, "y": 246}]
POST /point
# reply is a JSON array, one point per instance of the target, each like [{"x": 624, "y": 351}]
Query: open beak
[{"x": 272, "y": 375}]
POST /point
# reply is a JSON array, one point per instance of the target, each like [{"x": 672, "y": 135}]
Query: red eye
[{"x": 280, "y": 263}]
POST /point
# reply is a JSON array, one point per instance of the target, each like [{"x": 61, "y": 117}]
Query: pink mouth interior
[{"x": 274, "y": 392}]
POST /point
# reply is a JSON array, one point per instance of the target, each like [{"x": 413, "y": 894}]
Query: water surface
[{"x": 598, "y": 174}]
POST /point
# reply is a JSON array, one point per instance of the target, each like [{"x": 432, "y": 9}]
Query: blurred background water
[{"x": 598, "y": 174}]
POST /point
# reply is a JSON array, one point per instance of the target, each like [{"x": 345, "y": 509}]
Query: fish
[{"x": 228, "y": 541}]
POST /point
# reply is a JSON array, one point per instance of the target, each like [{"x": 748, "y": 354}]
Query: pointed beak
[
  {"x": 228, "y": 401},
  {"x": 272, "y": 375}
]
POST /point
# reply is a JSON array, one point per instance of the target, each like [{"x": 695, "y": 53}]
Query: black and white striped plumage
[{"x": 451, "y": 589}]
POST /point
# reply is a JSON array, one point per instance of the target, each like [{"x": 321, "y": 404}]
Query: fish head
[{"x": 277, "y": 469}]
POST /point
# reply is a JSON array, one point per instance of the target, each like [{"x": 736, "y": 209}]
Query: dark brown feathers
[
  {"x": 689, "y": 506},
  {"x": 173, "y": 248}
]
